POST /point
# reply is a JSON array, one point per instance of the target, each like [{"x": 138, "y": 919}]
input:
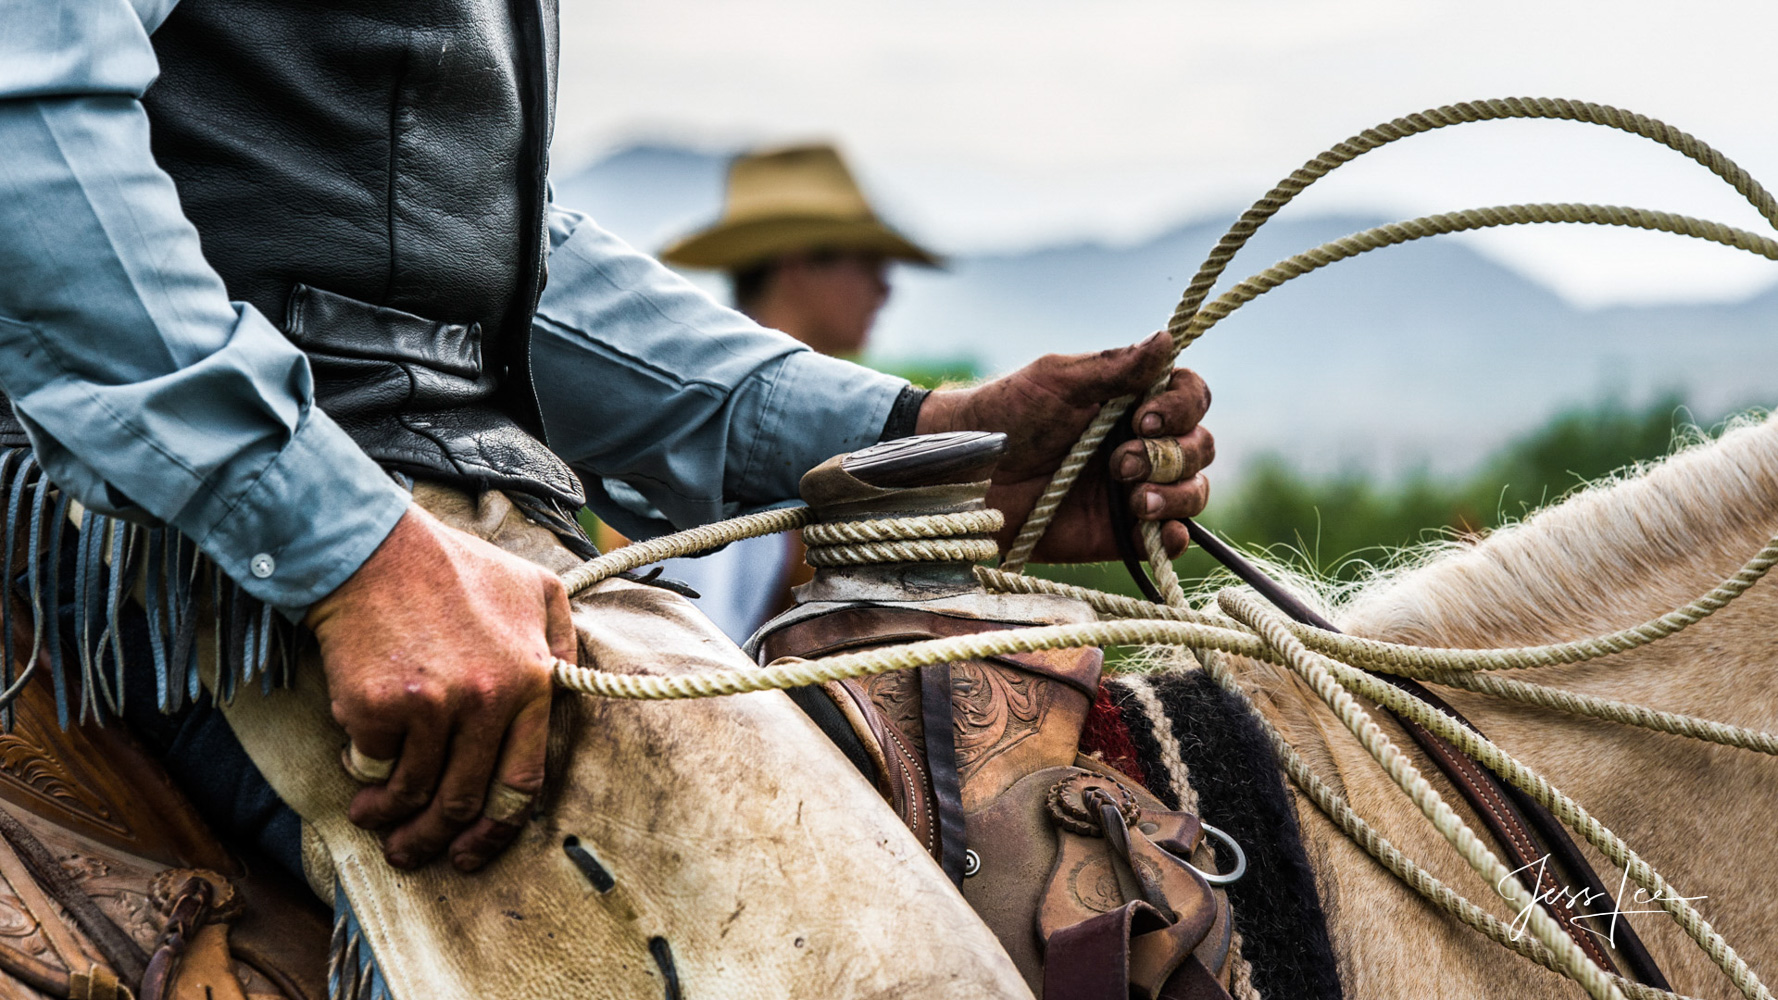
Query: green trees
[{"x": 1339, "y": 525}]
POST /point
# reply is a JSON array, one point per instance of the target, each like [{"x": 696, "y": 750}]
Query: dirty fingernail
[
  {"x": 1129, "y": 467},
  {"x": 1151, "y": 503},
  {"x": 1151, "y": 424},
  {"x": 468, "y": 862},
  {"x": 400, "y": 860}
]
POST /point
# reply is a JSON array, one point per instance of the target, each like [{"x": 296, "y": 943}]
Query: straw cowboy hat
[{"x": 786, "y": 200}]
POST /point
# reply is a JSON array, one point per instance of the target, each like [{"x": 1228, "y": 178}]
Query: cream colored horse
[{"x": 1615, "y": 555}]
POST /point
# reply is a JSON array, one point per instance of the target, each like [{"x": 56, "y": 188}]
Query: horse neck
[{"x": 1613, "y": 555}]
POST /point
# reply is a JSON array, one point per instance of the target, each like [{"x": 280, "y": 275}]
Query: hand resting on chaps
[{"x": 716, "y": 847}]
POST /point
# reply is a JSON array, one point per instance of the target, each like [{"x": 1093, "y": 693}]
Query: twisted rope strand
[
  {"x": 1626, "y": 713},
  {"x": 894, "y": 529},
  {"x": 682, "y": 543},
  {"x": 1396, "y": 233},
  {"x": 1108, "y": 605},
  {"x": 926, "y": 550},
  {"x": 791, "y": 672},
  {"x": 1430, "y": 663},
  {"x": 1457, "y": 114},
  {"x": 1166, "y": 579},
  {"x": 1050, "y": 500},
  {"x": 908, "y": 539}
]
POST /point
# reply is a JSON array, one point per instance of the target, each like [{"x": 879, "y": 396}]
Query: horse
[{"x": 1615, "y": 554}]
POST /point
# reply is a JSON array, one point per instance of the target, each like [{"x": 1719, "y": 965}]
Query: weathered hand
[
  {"x": 438, "y": 653},
  {"x": 1043, "y": 407}
]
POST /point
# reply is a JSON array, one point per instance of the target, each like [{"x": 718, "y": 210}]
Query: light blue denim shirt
[{"x": 147, "y": 392}]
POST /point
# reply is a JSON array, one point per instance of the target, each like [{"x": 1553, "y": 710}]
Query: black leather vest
[{"x": 371, "y": 175}]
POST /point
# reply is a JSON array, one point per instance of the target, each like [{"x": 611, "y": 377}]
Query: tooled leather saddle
[
  {"x": 112, "y": 886},
  {"x": 1096, "y": 889}
]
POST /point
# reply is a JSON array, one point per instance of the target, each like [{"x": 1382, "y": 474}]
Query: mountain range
[{"x": 1427, "y": 355}]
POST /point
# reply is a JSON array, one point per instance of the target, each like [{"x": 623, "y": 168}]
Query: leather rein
[{"x": 1526, "y": 832}]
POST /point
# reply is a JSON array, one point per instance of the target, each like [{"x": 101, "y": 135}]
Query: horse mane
[{"x": 1612, "y": 553}]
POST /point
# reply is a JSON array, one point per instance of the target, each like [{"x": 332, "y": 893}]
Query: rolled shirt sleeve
[
  {"x": 676, "y": 410},
  {"x": 144, "y": 390}
]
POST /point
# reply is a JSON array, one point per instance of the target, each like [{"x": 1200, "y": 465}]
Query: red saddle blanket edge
[{"x": 1107, "y": 737}]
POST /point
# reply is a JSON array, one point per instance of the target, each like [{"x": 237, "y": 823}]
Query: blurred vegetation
[
  {"x": 1337, "y": 526},
  {"x": 929, "y": 374}
]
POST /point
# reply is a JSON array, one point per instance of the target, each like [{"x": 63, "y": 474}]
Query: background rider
[{"x": 805, "y": 253}]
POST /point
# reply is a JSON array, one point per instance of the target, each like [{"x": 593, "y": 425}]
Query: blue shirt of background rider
[{"x": 145, "y": 389}]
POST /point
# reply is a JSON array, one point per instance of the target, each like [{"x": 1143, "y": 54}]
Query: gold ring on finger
[
  {"x": 365, "y": 769},
  {"x": 1166, "y": 459},
  {"x": 506, "y": 804}
]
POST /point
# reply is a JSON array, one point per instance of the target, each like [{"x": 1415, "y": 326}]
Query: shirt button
[{"x": 263, "y": 565}]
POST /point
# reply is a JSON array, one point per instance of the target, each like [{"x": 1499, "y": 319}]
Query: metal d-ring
[{"x": 1240, "y": 858}]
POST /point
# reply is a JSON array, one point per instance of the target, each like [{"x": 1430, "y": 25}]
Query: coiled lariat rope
[
  {"x": 1332, "y": 664},
  {"x": 962, "y": 537}
]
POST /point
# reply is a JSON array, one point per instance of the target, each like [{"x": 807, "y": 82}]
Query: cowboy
[
  {"x": 367, "y": 314},
  {"x": 805, "y": 254},
  {"x": 804, "y": 251}
]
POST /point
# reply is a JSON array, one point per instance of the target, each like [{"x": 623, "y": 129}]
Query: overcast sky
[{"x": 998, "y": 124}]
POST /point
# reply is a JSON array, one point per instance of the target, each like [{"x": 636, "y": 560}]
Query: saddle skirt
[{"x": 1039, "y": 861}]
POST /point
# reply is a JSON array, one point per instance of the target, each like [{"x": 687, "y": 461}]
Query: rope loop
[
  {"x": 684, "y": 543},
  {"x": 1184, "y": 325}
]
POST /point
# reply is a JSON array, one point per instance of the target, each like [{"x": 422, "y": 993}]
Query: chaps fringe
[
  {"x": 352, "y": 972},
  {"x": 91, "y": 578}
]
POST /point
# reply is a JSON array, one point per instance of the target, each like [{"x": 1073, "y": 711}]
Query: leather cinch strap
[{"x": 941, "y": 765}]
